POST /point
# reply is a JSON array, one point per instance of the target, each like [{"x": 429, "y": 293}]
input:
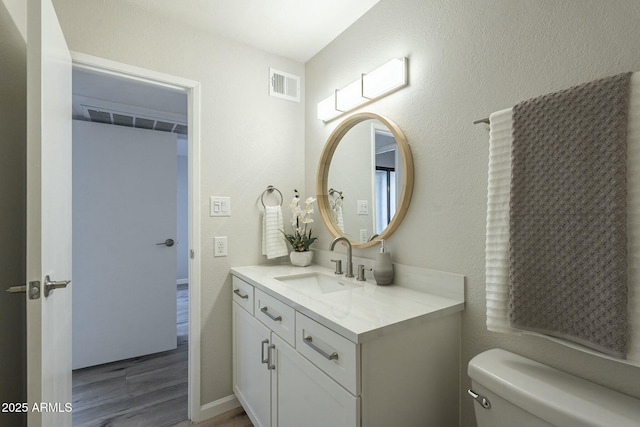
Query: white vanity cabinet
[
  {"x": 274, "y": 383},
  {"x": 293, "y": 366}
]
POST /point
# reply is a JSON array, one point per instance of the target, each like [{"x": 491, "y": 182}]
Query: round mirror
[{"x": 365, "y": 179}]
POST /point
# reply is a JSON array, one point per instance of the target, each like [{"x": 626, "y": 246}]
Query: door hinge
[{"x": 192, "y": 254}]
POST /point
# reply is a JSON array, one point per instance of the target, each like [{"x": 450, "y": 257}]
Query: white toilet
[{"x": 510, "y": 390}]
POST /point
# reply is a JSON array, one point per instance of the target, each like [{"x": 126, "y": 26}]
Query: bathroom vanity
[{"x": 314, "y": 349}]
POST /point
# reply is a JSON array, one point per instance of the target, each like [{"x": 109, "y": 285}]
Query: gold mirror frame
[{"x": 322, "y": 176}]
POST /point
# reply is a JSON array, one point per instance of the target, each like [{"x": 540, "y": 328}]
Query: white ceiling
[{"x": 296, "y": 29}]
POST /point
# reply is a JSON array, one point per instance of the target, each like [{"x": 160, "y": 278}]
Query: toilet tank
[{"x": 522, "y": 392}]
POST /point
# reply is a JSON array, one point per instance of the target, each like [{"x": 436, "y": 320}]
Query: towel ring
[
  {"x": 270, "y": 189},
  {"x": 332, "y": 192}
]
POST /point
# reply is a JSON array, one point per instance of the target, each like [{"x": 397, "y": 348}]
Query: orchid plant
[{"x": 300, "y": 240}]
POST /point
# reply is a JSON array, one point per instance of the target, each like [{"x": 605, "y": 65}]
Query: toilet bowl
[{"x": 510, "y": 390}]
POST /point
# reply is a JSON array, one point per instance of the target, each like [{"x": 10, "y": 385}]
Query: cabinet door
[
  {"x": 303, "y": 395},
  {"x": 251, "y": 378}
]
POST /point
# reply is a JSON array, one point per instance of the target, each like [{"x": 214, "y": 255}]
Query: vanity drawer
[
  {"x": 277, "y": 316},
  {"x": 334, "y": 354},
  {"x": 242, "y": 293}
]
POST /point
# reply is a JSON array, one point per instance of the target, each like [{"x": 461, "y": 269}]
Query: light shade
[
  {"x": 327, "y": 108},
  {"x": 385, "y": 79},
  {"x": 350, "y": 96},
  {"x": 370, "y": 86}
]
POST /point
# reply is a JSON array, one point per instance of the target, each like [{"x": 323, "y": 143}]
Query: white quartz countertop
[{"x": 360, "y": 313}]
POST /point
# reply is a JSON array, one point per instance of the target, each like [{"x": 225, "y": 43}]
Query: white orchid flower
[{"x": 301, "y": 216}]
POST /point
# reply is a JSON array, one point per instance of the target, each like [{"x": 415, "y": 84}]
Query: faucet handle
[
  {"x": 338, "y": 266},
  {"x": 361, "y": 271}
]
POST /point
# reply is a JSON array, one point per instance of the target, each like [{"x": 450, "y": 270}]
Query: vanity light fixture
[{"x": 370, "y": 86}]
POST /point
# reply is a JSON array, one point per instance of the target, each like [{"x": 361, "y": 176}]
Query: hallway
[{"x": 149, "y": 390}]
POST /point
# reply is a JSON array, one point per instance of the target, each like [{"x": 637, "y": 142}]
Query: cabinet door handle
[
  {"x": 266, "y": 341},
  {"x": 237, "y": 292},
  {"x": 309, "y": 341},
  {"x": 271, "y": 316},
  {"x": 270, "y": 365}
]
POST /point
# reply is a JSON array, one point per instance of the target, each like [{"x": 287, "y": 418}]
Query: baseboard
[{"x": 217, "y": 407}]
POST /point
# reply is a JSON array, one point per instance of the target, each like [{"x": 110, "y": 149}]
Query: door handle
[
  {"x": 34, "y": 289},
  {"x": 50, "y": 285},
  {"x": 270, "y": 365},
  {"x": 264, "y": 360},
  {"x": 168, "y": 242}
]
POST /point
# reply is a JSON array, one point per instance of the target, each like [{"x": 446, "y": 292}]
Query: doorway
[{"x": 156, "y": 114}]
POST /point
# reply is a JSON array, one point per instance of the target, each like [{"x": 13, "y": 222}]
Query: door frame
[{"x": 192, "y": 89}]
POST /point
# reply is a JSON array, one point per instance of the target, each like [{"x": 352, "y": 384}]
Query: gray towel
[{"x": 568, "y": 242}]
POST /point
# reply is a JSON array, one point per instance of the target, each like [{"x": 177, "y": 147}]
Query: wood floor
[{"x": 144, "y": 391}]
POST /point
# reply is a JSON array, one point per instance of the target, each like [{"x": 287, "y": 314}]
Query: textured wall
[
  {"x": 13, "y": 141},
  {"x": 249, "y": 140},
  {"x": 468, "y": 59}
]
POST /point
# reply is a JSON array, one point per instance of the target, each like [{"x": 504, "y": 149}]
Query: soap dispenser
[{"x": 383, "y": 269}]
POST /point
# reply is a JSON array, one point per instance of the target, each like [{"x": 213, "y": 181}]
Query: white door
[
  {"x": 124, "y": 272},
  {"x": 48, "y": 217}
]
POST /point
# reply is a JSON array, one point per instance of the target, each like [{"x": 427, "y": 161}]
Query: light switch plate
[
  {"x": 363, "y": 207},
  {"x": 220, "y": 206},
  {"x": 364, "y": 236}
]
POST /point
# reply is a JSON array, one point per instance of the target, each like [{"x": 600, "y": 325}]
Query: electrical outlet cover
[{"x": 220, "y": 246}]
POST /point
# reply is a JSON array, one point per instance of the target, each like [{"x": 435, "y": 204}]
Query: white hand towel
[
  {"x": 497, "y": 241},
  {"x": 497, "y": 238},
  {"x": 273, "y": 243},
  {"x": 337, "y": 211}
]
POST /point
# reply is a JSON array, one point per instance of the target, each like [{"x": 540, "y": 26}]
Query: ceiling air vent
[
  {"x": 284, "y": 85},
  {"x": 102, "y": 115}
]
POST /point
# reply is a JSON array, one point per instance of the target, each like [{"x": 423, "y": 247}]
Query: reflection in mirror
[
  {"x": 387, "y": 169},
  {"x": 335, "y": 202},
  {"x": 363, "y": 169},
  {"x": 363, "y": 172}
]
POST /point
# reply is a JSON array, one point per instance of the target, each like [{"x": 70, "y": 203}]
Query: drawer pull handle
[
  {"x": 271, "y": 316},
  {"x": 264, "y": 360},
  {"x": 309, "y": 341},
  {"x": 237, "y": 292}
]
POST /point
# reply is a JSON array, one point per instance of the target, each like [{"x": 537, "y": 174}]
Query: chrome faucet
[{"x": 349, "y": 272}]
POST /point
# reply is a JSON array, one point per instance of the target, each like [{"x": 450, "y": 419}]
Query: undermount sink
[{"x": 322, "y": 282}]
